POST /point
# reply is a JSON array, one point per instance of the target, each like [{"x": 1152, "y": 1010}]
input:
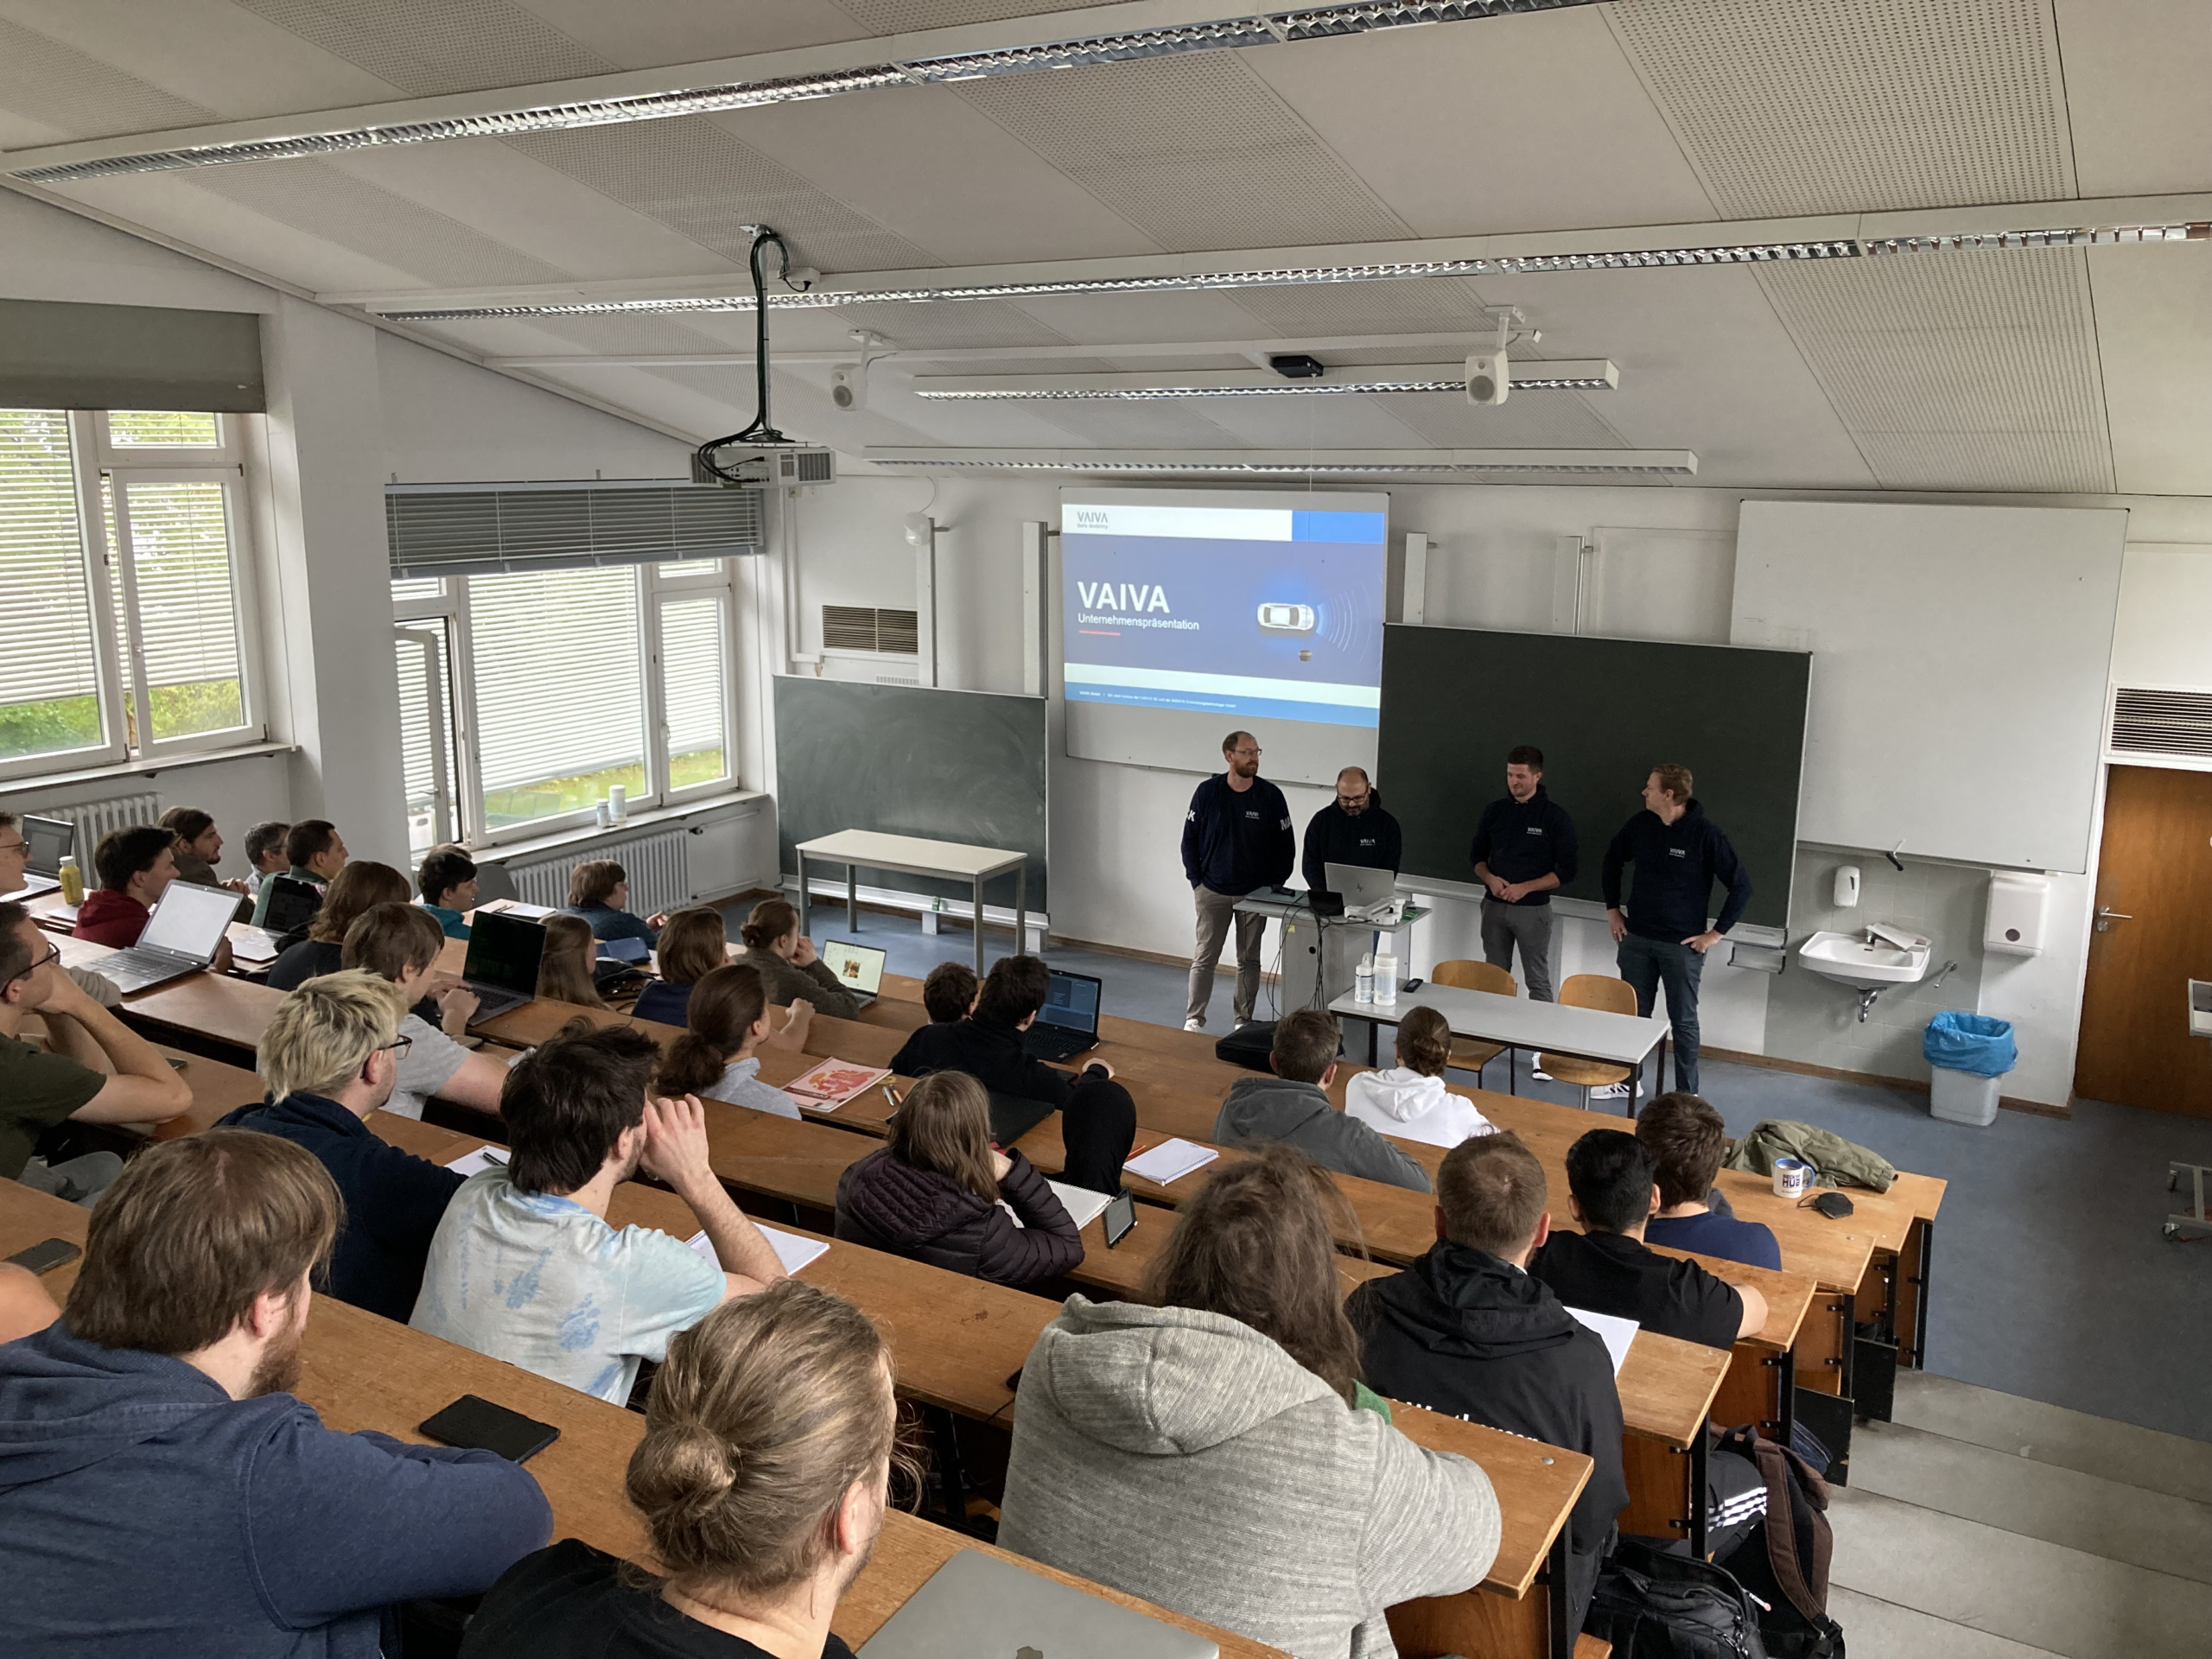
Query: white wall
[{"x": 2163, "y": 635}]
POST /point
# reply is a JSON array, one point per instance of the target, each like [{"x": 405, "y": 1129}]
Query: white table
[
  {"x": 913, "y": 855},
  {"x": 1520, "y": 1022}
]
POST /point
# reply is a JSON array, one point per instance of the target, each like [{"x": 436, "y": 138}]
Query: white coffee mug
[{"x": 1791, "y": 1176}]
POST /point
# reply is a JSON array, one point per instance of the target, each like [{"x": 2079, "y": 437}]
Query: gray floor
[{"x": 2052, "y": 1282}]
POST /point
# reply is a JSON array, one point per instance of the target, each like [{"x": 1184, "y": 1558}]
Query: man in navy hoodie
[
  {"x": 1679, "y": 854},
  {"x": 162, "y": 1494},
  {"x": 1236, "y": 838},
  {"x": 1525, "y": 849}
]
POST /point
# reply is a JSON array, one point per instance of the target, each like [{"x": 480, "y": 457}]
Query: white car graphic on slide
[{"x": 1287, "y": 618}]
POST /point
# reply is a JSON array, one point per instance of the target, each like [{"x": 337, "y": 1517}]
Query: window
[
  {"x": 525, "y": 697},
  {"x": 125, "y": 575}
]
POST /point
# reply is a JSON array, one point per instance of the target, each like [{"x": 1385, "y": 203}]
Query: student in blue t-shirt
[{"x": 1686, "y": 1141}]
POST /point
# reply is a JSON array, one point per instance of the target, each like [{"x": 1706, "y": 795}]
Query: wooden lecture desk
[
  {"x": 360, "y": 1371},
  {"x": 912, "y": 854}
]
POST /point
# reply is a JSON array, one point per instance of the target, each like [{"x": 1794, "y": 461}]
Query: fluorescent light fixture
[
  {"x": 1597, "y": 375},
  {"x": 1758, "y": 253},
  {"x": 1272, "y": 29},
  {"x": 1294, "y": 463}
]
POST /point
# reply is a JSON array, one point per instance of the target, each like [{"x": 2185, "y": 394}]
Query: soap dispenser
[{"x": 1846, "y": 887}]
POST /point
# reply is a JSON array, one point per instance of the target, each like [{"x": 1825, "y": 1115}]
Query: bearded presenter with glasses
[{"x": 1236, "y": 839}]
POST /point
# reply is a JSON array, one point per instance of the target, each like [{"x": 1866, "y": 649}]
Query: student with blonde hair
[
  {"x": 564, "y": 972},
  {"x": 1409, "y": 1099},
  {"x": 726, "y": 1023},
  {"x": 762, "y": 1477},
  {"x": 331, "y": 1055}
]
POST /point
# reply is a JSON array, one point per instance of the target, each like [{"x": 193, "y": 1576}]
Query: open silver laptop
[
  {"x": 1365, "y": 891},
  {"x": 186, "y": 930},
  {"x": 976, "y": 1607},
  {"x": 859, "y": 968}
]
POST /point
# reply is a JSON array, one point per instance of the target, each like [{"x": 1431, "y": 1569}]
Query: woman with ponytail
[
  {"x": 762, "y": 1477},
  {"x": 724, "y": 1024}
]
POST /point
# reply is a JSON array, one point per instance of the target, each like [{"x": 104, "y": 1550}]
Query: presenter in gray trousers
[
  {"x": 1524, "y": 848},
  {"x": 1236, "y": 838}
]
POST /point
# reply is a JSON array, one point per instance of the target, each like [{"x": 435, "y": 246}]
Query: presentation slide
[{"x": 1249, "y": 612}]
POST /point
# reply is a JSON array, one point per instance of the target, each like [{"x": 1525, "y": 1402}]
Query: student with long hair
[
  {"x": 564, "y": 972},
  {"x": 726, "y": 1022},
  {"x": 320, "y": 948},
  {"x": 788, "y": 965},
  {"x": 1409, "y": 1100},
  {"x": 934, "y": 1190},
  {"x": 695, "y": 943},
  {"x": 1223, "y": 1416}
]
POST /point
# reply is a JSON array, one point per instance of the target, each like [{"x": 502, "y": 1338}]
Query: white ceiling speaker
[
  {"x": 1490, "y": 378},
  {"x": 849, "y": 386}
]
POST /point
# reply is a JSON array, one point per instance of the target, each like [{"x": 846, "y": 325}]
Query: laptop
[
  {"x": 51, "y": 839},
  {"x": 503, "y": 952},
  {"x": 977, "y": 1605},
  {"x": 1365, "y": 892},
  {"x": 1068, "y": 1023},
  {"x": 181, "y": 937},
  {"x": 859, "y": 968},
  {"x": 292, "y": 906}
]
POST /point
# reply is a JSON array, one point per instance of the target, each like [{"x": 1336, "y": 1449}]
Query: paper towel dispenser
[{"x": 2018, "y": 905}]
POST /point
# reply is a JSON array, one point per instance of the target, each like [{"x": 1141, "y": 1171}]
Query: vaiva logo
[
  {"x": 1090, "y": 518},
  {"x": 1129, "y": 596}
]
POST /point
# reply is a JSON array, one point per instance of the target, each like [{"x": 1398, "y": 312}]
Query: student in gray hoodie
[
  {"x": 1293, "y": 1107},
  {"x": 1205, "y": 1454}
]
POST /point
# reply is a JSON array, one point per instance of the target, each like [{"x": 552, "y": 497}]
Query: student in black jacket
[
  {"x": 1679, "y": 854},
  {"x": 1098, "y": 1120},
  {"x": 1351, "y": 830},
  {"x": 1236, "y": 839},
  {"x": 1608, "y": 1269},
  {"x": 1525, "y": 848},
  {"x": 1466, "y": 1331}
]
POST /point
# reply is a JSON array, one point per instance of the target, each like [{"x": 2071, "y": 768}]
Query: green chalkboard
[
  {"x": 1605, "y": 712},
  {"x": 912, "y": 761}
]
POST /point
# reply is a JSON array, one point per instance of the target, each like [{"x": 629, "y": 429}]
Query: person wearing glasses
[
  {"x": 1236, "y": 839},
  {"x": 94, "y": 1068},
  {"x": 331, "y": 1054},
  {"x": 1351, "y": 830},
  {"x": 14, "y": 862}
]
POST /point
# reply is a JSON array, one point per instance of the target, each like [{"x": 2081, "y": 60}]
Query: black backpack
[
  {"x": 1654, "y": 1603},
  {"x": 1783, "y": 1560}
]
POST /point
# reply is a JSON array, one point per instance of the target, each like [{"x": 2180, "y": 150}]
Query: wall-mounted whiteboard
[{"x": 1960, "y": 661}]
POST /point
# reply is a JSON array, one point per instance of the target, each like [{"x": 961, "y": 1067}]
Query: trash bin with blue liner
[{"x": 1968, "y": 1053}]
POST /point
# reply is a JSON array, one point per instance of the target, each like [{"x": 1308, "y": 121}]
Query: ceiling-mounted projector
[
  {"x": 772, "y": 466},
  {"x": 1490, "y": 378}
]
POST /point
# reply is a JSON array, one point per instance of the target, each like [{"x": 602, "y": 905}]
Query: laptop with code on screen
[
  {"x": 858, "y": 968},
  {"x": 1068, "y": 1023},
  {"x": 504, "y": 954}
]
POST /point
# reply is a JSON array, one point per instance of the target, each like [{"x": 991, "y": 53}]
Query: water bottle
[
  {"x": 617, "y": 803},
  {"x": 1362, "y": 981},
  {"x": 72, "y": 881},
  {"x": 1386, "y": 977}
]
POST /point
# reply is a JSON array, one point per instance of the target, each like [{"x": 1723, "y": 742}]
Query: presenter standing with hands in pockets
[
  {"x": 1524, "y": 847},
  {"x": 1679, "y": 854},
  {"x": 1236, "y": 838}
]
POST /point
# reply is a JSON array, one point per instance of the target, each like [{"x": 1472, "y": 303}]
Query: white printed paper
[
  {"x": 1081, "y": 1204},
  {"x": 791, "y": 1250},
  {"x": 1617, "y": 1334},
  {"x": 476, "y": 1162},
  {"x": 1171, "y": 1160}
]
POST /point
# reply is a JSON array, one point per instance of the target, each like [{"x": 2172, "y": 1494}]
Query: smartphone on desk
[
  {"x": 1121, "y": 1215},
  {"x": 45, "y": 1256},
  {"x": 475, "y": 1422}
]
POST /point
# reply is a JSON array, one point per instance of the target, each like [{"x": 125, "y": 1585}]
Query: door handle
[{"x": 2106, "y": 917}]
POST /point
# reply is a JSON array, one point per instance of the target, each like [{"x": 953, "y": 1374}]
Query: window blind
[
  {"x": 440, "y": 531},
  {"x": 49, "y": 676},
  {"x": 59, "y": 354},
  {"x": 559, "y": 673}
]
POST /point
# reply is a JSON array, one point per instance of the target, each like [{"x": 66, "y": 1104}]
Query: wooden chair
[
  {"x": 1463, "y": 974},
  {"x": 1591, "y": 991}
]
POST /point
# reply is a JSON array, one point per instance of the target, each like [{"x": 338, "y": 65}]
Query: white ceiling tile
[
  {"x": 895, "y": 16},
  {"x": 1319, "y": 423},
  {"x": 2138, "y": 94},
  {"x": 642, "y": 34},
  {"x": 1118, "y": 318},
  {"x": 1513, "y": 123},
  {"x": 2156, "y": 351},
  {"x": 426, "y": 47}
]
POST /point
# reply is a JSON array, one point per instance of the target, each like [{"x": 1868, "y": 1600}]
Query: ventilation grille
[
  {"x": 440, "y": 533},
  {"x": 658, "y": 867},
  {"x": 862, "y": 627},
  {"x": 2145, "y": 721}
]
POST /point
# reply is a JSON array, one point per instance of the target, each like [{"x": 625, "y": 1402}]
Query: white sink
[{"x": 1895, "y": 957}]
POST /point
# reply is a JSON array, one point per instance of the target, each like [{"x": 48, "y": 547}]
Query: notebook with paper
[
  {"x": 976, "y": 1605},
  {"x": 1170, "y": 1160}
]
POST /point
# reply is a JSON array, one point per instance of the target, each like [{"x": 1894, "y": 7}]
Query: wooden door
[{"x": 2156, "y": 870}]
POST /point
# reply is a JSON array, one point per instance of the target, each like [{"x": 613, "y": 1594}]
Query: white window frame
[
  {"x": 110, "y": 588},
  {"x": 652, "y": 588}
]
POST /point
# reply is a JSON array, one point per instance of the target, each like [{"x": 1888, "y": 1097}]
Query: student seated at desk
[
  {"x": 727, "y": 1020},
  {"x": 1687, "y": 1140},
  {"x": 400, "y": 943},
  {"x": 14, "y": 862},
  {"x": 199, "y": 844},
  {"x": 788, "y": 965},
  {"x": 320, "y": 946},
  {"x": 94, "y": 1068},
  {"x": 933, "y": 1192},
  {"x": 448, "y": 884},
  {"x": 24, "y": 1305},
  {"x": 135, "y": 867},
  {"x": 525, "y": 1269},
  {"x": 1608, "y": 1269},
  {"x": 1206, "y": 1453},
  {"x": 314, "y": 853},
  {"x": 599, "y": 891},
  {"x": 696, "y": 943},
  {"x": 1293, "y": 1107},
  {"x": 1410, "y": 1099},
  {"x": 949, "y": 992},
  {"x": 565, "y": 971},
  {"x": 331, "y": 1054},
  {"x": 163, "y": 1493},
  {"x": 762, "y": 1478},
  {"x": 1098, "y": 1120},
  {"x": 265, "y": 853},
  {"x": 1466, "y": 1331}
]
